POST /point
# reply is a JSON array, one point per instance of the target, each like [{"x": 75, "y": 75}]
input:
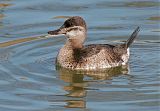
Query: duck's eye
[{"x": 75, "y": 29}]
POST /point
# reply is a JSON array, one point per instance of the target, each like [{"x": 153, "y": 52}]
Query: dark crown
[{"x": 75, "y": 21}]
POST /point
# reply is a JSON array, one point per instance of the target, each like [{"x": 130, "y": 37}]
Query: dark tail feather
[{"x": 132, "y": 37}]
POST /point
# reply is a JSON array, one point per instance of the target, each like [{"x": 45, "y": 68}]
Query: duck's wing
[
  {"x": 109, "y": 52},
  {"x": 92, "y": 49}
]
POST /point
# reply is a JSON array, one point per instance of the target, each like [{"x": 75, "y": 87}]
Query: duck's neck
[
  {"x": 69, "y": 55},
  {"x": 72, "y": 50},
  {"x": 74, "y": 44}
]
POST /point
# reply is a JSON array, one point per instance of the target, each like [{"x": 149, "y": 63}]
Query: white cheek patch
[
  {"x": 75, "y": 33},
  {"x": 72, "y": 33}
]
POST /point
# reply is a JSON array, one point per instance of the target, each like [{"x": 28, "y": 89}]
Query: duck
[{"x": 75, "y": 55}]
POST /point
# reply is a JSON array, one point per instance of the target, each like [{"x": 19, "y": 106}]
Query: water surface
[{"x": 29, "y": 80}]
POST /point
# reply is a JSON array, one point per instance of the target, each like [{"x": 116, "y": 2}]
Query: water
[{"x": 29, "y": 80}]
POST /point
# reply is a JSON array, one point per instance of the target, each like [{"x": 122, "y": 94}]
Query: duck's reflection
[
  {"x": 77, "y": 84},
  {"x": 75, "y": 88}
]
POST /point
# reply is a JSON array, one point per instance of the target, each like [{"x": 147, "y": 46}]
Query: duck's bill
[{"x": 57, "y": 32}]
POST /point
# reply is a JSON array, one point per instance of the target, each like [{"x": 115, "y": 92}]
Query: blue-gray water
[{"x": 29, "y": 80}]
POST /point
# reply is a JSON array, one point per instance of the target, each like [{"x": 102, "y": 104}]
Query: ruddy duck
[{"x": 76, "y": 56}]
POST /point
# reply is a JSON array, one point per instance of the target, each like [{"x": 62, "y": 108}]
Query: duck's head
[{"x": 75, "y": 30}]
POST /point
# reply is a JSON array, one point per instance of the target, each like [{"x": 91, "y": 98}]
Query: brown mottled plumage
[{"x": 74, "y": 55}]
